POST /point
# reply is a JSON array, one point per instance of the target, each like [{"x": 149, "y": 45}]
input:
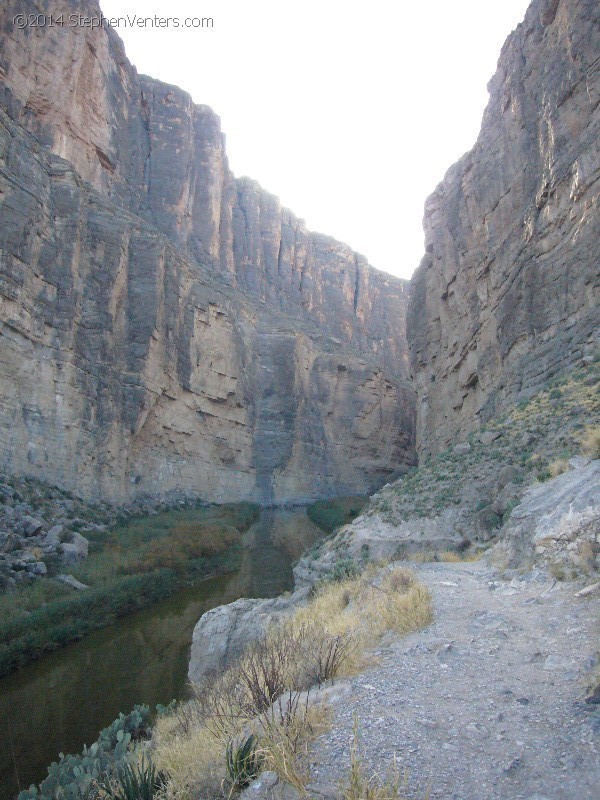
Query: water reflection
[{"x": 62, "y": 701}]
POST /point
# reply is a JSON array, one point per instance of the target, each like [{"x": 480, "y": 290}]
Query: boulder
[
  {"x": 556, "y": 521},
  {"x": 487, "y": 521},
  {"x": 53, "y": 537},
  {"x": 224, "y": 632},
  {"x": 37, "y": 568},
  {"x": 71, "y": 581},
  {"x": 506, "y": 497},
  {"x": 32, "y": 525},
  {"x": 487, "y": 437},
  {"x": 6, "y": 492},
  {"x": 9, "y": 542},
  {"x": 507, "y": 474},
  {"x": 268, "y": 786},
  {"x": 461, "y": 449},
  {"x": 74, "y": 550}
]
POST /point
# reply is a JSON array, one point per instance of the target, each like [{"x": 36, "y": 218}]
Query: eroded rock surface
[
  {"x": 507, "y": 293},
  {"x": 148, "y": 147},
  {"x": 557, "y": 523},
  {"x": 224, "y": 632},
  {"x": 165, "y": 327}
]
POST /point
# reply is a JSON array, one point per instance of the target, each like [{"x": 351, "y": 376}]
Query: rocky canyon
[
  {"x": 164, "y": 325},
  {"x": 506, "y": 295},
  {"x": 174, "y": 342}
]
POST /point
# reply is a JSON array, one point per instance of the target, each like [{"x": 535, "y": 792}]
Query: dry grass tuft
[
  {"x": 362, "y": 785},
  {"x": 590, "y": 443},
  {"x": 194, "y": 760},
  {"x": 558, "y": 467},
  {"x": 287, "y": 730},
  {"x": 363, "y": 609},
  {"x": 265, "y": 690}
]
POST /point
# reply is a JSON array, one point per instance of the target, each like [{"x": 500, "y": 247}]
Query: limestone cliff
[
  {"x": 164, "y": 326},
  {"x": 507, "y": 293},
  {"x": 149, "y": 148}
]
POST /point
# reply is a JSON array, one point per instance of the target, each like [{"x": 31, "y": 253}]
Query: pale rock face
[
  {"x": 556, "y": 523},
  {"x": 149, "y": 148},
  {"x": 126, "y": 368},
  {"x": 224, "y": 632},
  {"x": 507, "y": 293},
  {"x": 164, "y": 326}
]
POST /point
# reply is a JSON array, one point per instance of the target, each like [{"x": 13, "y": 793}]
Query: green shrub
[
  {"x": 331, "y": 514},
  {"x": 343, "y": 569}
]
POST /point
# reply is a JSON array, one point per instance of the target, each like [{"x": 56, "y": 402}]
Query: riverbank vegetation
[
  {"x": 130, "y": 567},
  {"x": 336, "y": 511}
]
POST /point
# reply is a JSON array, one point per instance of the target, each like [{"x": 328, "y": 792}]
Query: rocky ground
[
  {"x": 466, "y": 498},
  {"x": 43, "y": 528},
  {"x": 487, "y": 702}
]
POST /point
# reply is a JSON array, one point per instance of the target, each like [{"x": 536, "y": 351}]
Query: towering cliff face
[
  {"x": 507, "y": 293},
  {"x": 149, "y": 148},
  {"x": 162, "y": 325}
]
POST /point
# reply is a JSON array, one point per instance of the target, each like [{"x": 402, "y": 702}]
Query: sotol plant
[
  {"x": 141, "y": 782},
  {"x": 244, "y": 761}
]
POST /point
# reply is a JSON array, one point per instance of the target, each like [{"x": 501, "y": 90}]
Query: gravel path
[{"x": 487, "y": 702}]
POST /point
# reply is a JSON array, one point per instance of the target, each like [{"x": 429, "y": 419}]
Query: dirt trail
[{"x": 487, "y": 702}]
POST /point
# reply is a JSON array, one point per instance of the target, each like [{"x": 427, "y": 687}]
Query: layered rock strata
[
  {"x": 126, "y": 368},
  {"x": 146, "y": 146},
  {"x": 164, "y": 326},
  {"x": 507, "y": 293}
]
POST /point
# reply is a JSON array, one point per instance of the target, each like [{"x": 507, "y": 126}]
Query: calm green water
[{"x": 62, "y": 701}]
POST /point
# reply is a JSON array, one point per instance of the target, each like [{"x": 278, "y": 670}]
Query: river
[{"x": 62, "y": 701}]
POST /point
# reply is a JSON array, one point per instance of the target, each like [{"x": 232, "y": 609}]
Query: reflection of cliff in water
[
  {"x": 62, "y": 701},
  {"x": 277, "y": 539}
]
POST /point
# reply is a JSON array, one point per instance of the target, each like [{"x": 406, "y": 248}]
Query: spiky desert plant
[
  {"x": 139, "y": 782},
  {"x": 243, "y": 760}
]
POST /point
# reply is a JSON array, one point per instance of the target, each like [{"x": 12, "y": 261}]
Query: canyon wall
[
  {"x": 149, "y": 148},
  {"x": 164, "y": 326},
  {"x": 126, "y": 368},
  {"x": 507, "y": 293}
]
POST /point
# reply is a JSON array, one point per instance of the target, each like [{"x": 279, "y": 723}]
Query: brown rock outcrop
[
  {"x": 507, "y": 293},
  {"x": 163, "y": 326},
  {"x": 149, "y": 148}
]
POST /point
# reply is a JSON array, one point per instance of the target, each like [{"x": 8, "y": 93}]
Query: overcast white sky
[{"x": 350, "y": 112}]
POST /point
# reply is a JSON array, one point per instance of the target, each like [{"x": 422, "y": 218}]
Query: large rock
[
  {"x": 506, "y": 295},
  {"x": 261, "y": 361},
  {"x": 54, "y": 536},
  {"x": 72, "y": 582},
  {"x": 224, "y": 632},
  {"x": 557, "y": 522},
  {"x": 75, "y": 550},
  {"x": 32, "y": 526},
  {"x": 371, "y": 538}
]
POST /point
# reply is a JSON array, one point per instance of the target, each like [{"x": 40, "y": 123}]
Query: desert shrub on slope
[{"x": 267, "y": 691}]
